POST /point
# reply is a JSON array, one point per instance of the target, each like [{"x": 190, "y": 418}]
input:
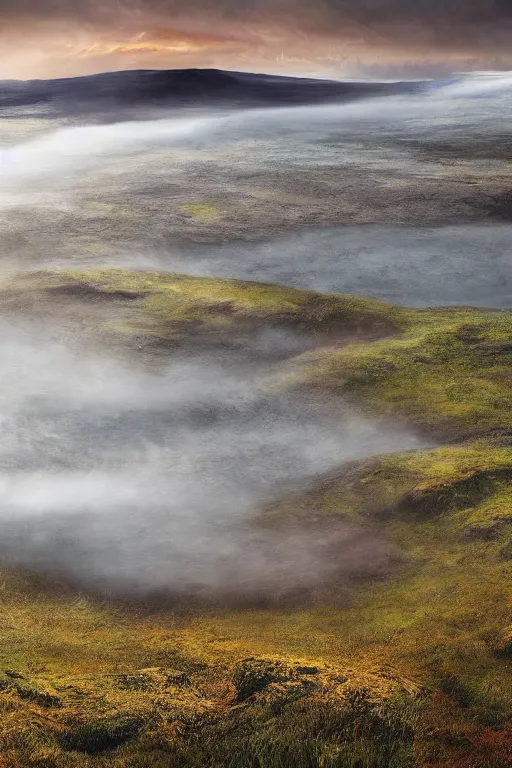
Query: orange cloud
[
  {"x": 266, "y": 42},
  {"x": 107, "y": 49}
]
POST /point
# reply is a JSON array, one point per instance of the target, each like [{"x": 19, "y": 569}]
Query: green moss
[
  {"x": 244, "y": 296},
  {"x": 140, "y": 306},
  {"x": 445, "y": 614},
  {"x": 449, "y": 370},
  {"x": 471, "y": 477}
]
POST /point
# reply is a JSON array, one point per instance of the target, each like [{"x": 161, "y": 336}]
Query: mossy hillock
[
  {"x": 147, "y": 310},
  {"x": 449, "y": 372}
]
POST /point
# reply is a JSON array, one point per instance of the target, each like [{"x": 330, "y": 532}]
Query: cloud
[
  {"x": 135, "y": 481},
  {"x": 370, "y": 12},
  {"x": 253, "y": 34}
]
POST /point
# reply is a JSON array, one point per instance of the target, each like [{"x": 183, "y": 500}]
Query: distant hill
[{"x": 185, "y": 87}]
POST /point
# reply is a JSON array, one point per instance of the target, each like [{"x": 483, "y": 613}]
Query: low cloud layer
[
  {"x": 405, "y": 198},
  {"x": 136, "y": 482}
]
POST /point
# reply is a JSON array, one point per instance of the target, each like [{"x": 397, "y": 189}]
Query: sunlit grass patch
[{"x": 203, "y": 211}]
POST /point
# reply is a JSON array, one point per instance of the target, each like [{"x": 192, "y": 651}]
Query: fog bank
[
  {"x": 127, "y": 479},
  {"x": 136, "y": 481}
]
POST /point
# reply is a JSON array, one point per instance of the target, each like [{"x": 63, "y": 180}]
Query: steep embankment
[{"x": 414, "y": 671}]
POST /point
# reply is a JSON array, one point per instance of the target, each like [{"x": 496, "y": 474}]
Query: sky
[{"x": 338, "y": 38}]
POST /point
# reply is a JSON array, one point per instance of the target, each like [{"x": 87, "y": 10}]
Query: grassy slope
[
  {"x": 415, "y": 672},
  {"x": 151, "y": 306},
  {"x": 449, "y": 370}
]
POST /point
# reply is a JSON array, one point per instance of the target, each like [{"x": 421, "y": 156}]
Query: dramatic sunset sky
[{"x": 342, "y": 38}]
